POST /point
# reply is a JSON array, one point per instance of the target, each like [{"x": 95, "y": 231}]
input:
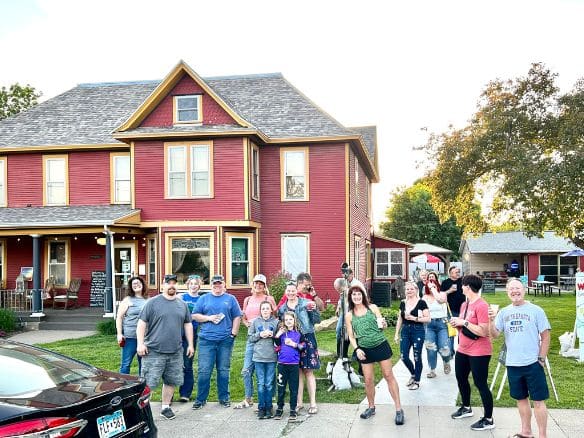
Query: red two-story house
[{"x": 188, "y": 175}]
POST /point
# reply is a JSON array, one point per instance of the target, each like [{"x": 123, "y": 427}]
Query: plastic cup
[
  {"x": 380, "y": 322},
  {"x": 494, "y": 308}
]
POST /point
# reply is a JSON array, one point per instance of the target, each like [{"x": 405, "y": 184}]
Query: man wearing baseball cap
[{"x": 219, "y": 316}]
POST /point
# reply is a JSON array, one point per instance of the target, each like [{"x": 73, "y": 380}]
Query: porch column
[
  {"x": 109, "y": 290},
  {"x": 37, "y": 300}
]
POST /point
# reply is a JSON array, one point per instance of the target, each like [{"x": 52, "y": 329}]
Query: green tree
[
  {"x": 16, "y": 99},
  {"x": 411, "y": 217},
  {"x": 521, "y": 156}
]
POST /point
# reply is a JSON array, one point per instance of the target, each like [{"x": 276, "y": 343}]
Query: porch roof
[{"x": 68, "y": 216}]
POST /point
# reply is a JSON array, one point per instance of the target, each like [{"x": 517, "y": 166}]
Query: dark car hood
[{"x": 70, "y": 393}]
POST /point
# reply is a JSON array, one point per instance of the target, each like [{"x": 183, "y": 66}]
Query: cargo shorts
[{"x": 168, "y": 366}]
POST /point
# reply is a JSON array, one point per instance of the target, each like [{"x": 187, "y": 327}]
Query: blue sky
[{"x": 401, "y": 66}]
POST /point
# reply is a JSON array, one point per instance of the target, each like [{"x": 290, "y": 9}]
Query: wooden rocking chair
[{"x": 71, "y": 294}]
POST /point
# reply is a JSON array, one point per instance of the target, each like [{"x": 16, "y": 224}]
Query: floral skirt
[{"x": 309, "y": 358}]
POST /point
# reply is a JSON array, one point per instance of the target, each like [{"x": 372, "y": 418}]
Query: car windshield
[{"x": 27, "y": 370}]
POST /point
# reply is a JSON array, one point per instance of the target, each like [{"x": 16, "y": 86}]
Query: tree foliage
[
  {"x": 521, "y": 156},
  {"x": 411, "y": 217},
  {"x": 16, "y": 99}
]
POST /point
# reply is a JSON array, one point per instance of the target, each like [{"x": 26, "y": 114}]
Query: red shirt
[{"x": 478, "y": 313}]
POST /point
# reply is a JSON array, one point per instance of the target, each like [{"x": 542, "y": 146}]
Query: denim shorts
[
  {"x": 168, "y": 366},
  {"x": 527, "y": 381}
]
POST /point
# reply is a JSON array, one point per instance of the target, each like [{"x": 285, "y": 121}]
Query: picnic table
[{"x": 543, "y": 286}]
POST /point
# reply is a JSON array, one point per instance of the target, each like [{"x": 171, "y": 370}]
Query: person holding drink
[
  {"x": 453, "y": 288},
  {"x": 307, "y": 315},
  {"x": 436, "y": 330},
  {"x": 365, "y": 327}
]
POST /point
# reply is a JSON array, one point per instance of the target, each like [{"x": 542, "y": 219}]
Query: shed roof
[
  {"x": 422, "y": 248},
  {"x": 516, "y": 242}
]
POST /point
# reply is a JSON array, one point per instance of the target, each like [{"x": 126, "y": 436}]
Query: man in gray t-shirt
[
  {"x": 527, "y": 337},
  {"x": 159, "y": 333}
]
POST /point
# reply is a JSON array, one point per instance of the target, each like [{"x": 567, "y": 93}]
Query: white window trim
[
  {"x": 113, "y": 177},
  {"x": 149, "y": 245},
  {"x": 255, "y": 172},
  {"x": 67, "y": 243},
  {"x": 356, "y": 257},
  {"x": 282, "y": 246},
  {"x": 197, "y": 121},
  {"x": 46, "y": 159},
  {"x": 188, "y": 170},
  {"x": 283, "y": 152},
  {"x": 389, "y": 250},
  {"x": 186, "y": 235},
  {"x": 3, "y": 263},
  {"x": 250, "y": 262}
]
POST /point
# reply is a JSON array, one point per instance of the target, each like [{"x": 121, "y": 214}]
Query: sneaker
[
  {"x": 225, "y": 403},
  {"x": 167, "y": 413},
  {"x": 447, "y": 368},
  {"x": 261, "y": 414},
  {"x": 399, "y": 417},
  {"x": 293, "y": 416},
  {"x": 184, "y": 400},
  {"x": 462, "y": 412},
  {"x": 279, "y": 413},
  {"x": 367, "y": 413},
  {"x": 483, "y": 424},
  {"x": 269, "y": 414},
  {"x": 198, "y": 404}
]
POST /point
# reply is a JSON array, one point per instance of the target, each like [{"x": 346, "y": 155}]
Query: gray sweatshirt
[{"x": 263, "y": 348}]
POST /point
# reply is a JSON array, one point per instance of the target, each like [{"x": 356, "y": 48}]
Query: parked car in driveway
[{"x": 46, "y": 394}]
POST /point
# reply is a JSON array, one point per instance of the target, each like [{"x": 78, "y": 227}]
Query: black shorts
[
  {"x": 527, "y": 381},
  {"x": 377, "y": 354}
]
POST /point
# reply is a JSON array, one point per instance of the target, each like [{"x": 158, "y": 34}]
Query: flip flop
[
  {"x": 243, "y": 405},
  {"x": 312, "y": 410},
  {"x": 518, "y": 435}
]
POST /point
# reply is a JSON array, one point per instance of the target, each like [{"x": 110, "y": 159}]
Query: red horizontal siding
[
  {"x": 162, "y": 115},
  {"x": 86, "y": 256},
  {"x": 18, "y": 254},
  {"x": 25, "y": 180},
  {"x": 323, "y": 217},
  {"x": 228, "y": 201},
  {"x": 89, "y": 178},
  {"x": 360, "y": 221}
]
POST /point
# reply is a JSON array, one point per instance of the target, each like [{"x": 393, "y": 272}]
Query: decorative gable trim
[{"x": 162, "y": 90}]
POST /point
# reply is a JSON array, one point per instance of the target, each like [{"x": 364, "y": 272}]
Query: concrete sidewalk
[
  {"x": 46, "y": 336},
  {"x": 342, "y": 420}
]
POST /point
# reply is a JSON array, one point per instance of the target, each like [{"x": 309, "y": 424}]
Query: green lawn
[{"x": 103, "y": 352}]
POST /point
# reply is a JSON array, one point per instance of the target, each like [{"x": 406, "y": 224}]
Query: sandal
[
  {"x": 518, "y": 435},
  {"x": 312, "y": 410},
  {"x": 431, "y": 374},
  {"x": 414, "y": 386},
  {"x": 243, "y": 405},
  {"x": 299, "y": 408}
]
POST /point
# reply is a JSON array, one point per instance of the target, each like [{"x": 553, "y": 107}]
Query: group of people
[
  {"x": 428, "y": 309},
  {"x": 281, "y": 346}
]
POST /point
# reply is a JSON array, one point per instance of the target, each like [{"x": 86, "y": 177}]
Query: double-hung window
[
  {"x": 56, "y": 180},
  {"x": 294, "y": 178},
  {"x": 189, "y": 170},
  {"x": 121, "y": 179},
  {"x": 240, "y": 265},
  {"x": 57, "y": 262},
  {"x": 295, "y": 253},
  {"x": 389, "y": 263},
  {"x": 255, "y": 172},
  {"x": 188, "y": 109}
]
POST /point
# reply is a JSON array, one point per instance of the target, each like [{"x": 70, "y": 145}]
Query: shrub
[
  {"x": 277, "y": 284},
  {"x": 7, "y": 320},
  {"x": 107, "y": 327},
  {"x": 328, "y": 312},
  {"x": 390, "y": 315}
]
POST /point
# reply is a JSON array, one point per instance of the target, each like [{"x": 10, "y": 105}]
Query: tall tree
[
  {"x": 16, "y": 99},
  {"x": 411, "y": 217},
  {"x": 521, "y": 156}
]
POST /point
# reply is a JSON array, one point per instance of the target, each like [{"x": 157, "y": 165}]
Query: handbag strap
[{"x": 449, "y": 312}]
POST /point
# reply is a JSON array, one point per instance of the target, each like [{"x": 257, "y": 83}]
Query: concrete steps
[{"x": 84, "y": 318}]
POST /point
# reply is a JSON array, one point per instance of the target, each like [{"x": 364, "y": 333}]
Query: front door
[{"x": 124, "y": 258}]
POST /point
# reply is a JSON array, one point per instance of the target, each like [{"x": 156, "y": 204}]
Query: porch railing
[{"x": 19, "y": 301}]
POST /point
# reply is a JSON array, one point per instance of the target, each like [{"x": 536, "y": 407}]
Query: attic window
[{"x": 187, "y": 109}]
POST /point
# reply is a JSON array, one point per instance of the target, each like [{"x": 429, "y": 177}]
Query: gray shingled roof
[
  {"x": 84, "y": 215},
  {"x": 369, "y": 135},
  {"x": 88, "y": 113},
  {"x": 517, "y": 242}
]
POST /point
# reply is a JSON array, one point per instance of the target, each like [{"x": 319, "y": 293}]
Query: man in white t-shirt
[{"x": 527, "y": 338}]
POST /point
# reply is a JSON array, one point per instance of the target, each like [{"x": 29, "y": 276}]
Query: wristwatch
[{"x": 466, "y": 324}]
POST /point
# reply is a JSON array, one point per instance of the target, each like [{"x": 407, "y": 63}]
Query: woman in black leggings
[{"x": 474, "y": 352}]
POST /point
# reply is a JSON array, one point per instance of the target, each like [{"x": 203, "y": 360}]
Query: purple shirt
[{"x": 287, "y": 354}]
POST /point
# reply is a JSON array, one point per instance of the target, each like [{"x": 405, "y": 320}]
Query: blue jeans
[
  {"x": 214, "y": 354},
  {"x": 437, "y": 342},
  {"x": 128, "y": 353},
  {"x": 265, "y": 372},
  {"x": 186, "y": 390},
  {"x": 247, "y": 370},
  {"x": 412, "y": 336}
]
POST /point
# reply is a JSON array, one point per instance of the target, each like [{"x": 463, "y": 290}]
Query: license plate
[{"x": 111, "y": 425}]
